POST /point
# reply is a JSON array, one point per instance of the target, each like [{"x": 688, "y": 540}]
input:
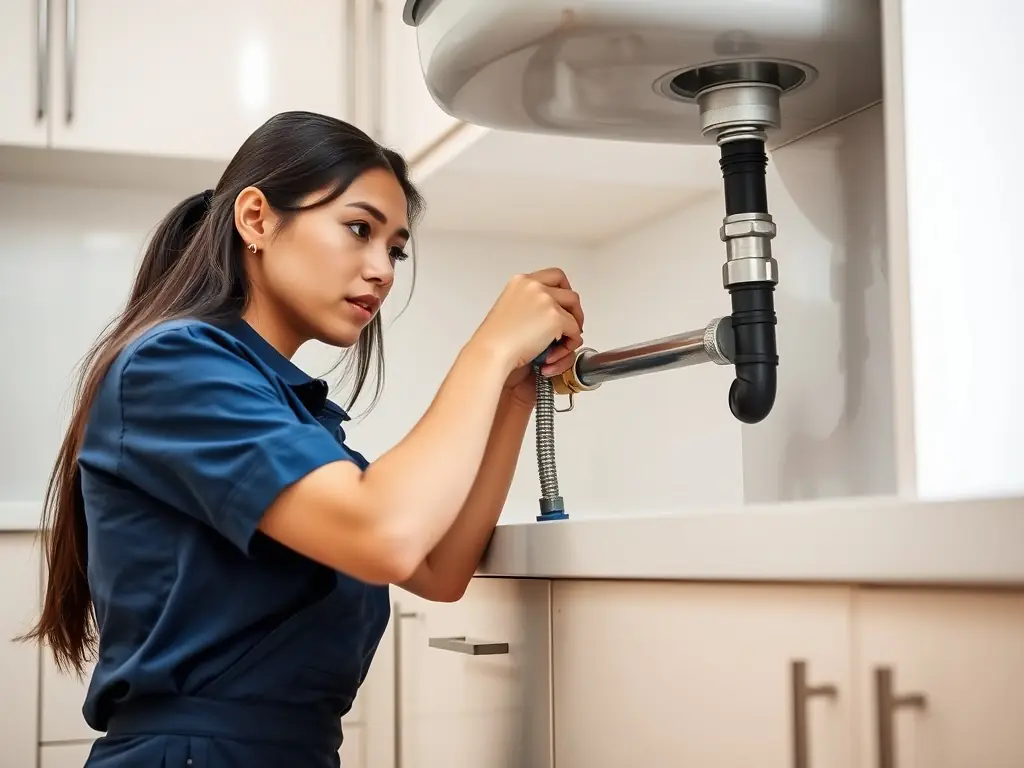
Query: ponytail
[
  {"x": 168, "y": 243},
  {"x": 67, "y": 622}
]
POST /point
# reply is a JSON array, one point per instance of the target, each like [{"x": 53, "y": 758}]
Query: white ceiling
[{"x": 575, "y": 191}]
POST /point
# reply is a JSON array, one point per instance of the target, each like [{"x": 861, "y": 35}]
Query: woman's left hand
[{"x": 521, "y": 384}]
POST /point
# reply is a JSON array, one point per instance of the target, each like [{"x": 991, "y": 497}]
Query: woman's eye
[
  {"x": 397, "y": 254},
  {"x": 360, "y": 229}
]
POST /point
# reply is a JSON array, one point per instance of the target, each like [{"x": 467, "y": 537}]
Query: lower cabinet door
[
  {"x": 353, "y": 749},
  {"x": 70, "y": 755},
  {"x": 941, "y": 677},
  {"x": 672, "y": 674},
  {"x": 19, "y": 661},
  {"x": 474, "y": 677}
]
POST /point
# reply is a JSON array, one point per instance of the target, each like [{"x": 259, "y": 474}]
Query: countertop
[
  {"x": 859, "y": 541},
  {"x": 19, "y": 516}
]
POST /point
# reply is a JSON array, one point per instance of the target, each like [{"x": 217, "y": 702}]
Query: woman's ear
[{"x": 255, "y": 220}]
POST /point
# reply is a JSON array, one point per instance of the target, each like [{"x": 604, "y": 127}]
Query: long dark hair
[{"x": 193, "y": 267}]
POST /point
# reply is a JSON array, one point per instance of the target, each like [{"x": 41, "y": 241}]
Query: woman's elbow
[
  {"x": 396, "y": 555},
  {"x": 448, "y": 593}
]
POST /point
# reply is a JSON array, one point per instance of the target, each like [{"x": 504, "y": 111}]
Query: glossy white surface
[
  {"x": 413, "y": 122},
  {"x": 592, "y": 69}
]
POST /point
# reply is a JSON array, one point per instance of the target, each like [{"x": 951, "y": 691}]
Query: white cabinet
[
  {"x": 24, "y": 67},
  {"x": 190, "y": 78},
  {"x": 963, "y": 654},
  {"x": 680, "y": 674},
  {"x": 175, "y": 79},
  {"x": 786, "y": 677},
  {"x": 474, "y": 678},
  {"x": 353, "y": 750},
  {"x": 19, "y": 662},
  {"x": 62, "y": 699},
  {"x": 412, "y": 122}
]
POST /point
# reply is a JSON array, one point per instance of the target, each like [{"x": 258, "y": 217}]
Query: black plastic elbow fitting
[{"x": 752, "y": 394}]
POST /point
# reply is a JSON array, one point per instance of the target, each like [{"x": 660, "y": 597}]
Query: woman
[{"x": 210, "y": 527}]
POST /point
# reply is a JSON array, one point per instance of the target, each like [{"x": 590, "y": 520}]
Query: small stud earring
[{"x": 252, "y": 247}]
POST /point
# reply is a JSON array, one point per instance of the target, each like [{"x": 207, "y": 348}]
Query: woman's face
[{"x": 325, "y": 274}]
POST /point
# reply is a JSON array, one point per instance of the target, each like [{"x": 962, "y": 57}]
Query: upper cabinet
[
  {"x": 173, "y": 79},
  {"x": 24, "y": 69}
]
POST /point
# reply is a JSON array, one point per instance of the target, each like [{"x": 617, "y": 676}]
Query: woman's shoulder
[
  {"x": 187, "y": 334},
  {"x": 181, "y": 353},
  {"x": 179, "y": 342}
]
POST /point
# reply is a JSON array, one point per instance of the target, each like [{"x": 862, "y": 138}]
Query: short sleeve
[{"x": 206, "y": 432}]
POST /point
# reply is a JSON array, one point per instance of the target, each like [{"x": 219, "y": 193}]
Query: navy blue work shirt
[{"x": 217, "y": 646}]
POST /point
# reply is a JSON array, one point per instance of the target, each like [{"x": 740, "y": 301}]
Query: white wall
[
  {"x": 66, "y": 262},
  {"x": 664, "y": 441},
  {"x": 962, "y": 188},
  {"x": 669, "y": 440}
]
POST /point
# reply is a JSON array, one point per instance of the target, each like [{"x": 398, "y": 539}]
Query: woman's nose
[{"x": 378, "y": 267}]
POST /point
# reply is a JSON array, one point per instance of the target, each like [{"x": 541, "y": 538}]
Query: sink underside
[{"x": 629, "y": 69}]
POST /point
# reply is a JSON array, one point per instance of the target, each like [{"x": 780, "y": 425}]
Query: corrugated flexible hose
[{"x": 552, "y": 507}]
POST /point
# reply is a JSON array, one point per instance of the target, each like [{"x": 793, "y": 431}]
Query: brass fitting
[{"x": 568, "y": 382}]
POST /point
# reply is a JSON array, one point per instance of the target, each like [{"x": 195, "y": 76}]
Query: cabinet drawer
[
  {"x": 475, "y": 678},
  {"x": 62, "y": 699}
]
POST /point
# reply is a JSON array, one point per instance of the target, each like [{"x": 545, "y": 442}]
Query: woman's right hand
[{"x": 533, "y": 311}]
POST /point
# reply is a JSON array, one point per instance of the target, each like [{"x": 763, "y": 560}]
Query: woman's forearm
[
  {"x": 452, "y": 563},
  {"x": 422, "y": 483}
]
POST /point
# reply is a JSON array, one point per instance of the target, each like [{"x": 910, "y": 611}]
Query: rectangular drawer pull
[{"x": 468, "y": 645}]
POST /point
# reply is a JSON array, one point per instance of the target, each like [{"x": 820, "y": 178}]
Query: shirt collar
[{"x": 313, "y": 392}]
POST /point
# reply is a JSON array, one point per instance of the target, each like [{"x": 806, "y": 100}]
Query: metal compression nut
[
  {"x": 748, "y": 249},
  {"x": 718, "y": 341}
]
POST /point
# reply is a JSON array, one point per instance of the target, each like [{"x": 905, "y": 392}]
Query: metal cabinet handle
[
  {"x": 887, "y": 701},
  {"x": 70, "y": 52},
  {"x": 468, "y": 646},
  {"x": 802, "y": 692},
  {"x": 399, "y": 617},
  {"x": 377, "y": 36},
  {"x": 351, "y": 60},
  {"x": 42, "y": 58}
]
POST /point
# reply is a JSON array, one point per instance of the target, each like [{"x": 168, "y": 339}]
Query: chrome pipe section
[{"x": 711, "y": 344}]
